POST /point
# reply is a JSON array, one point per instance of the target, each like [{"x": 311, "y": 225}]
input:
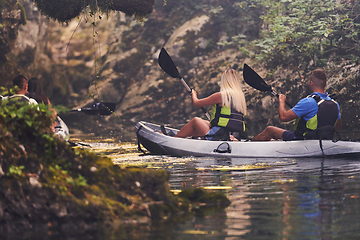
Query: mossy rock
[
  {"x": 45, "y": 181},
  {"x": 65, "y": 10},
  {"x": 62, "y": 10}
]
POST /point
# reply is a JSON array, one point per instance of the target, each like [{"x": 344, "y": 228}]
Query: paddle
[
  {"x": 167, "y": 64},
  {"x": 255, "y": 81},
  {"x": 101, "y": 108}
]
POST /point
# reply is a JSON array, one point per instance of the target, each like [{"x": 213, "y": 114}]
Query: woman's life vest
[
  {"x": 228, "y": 118},
  {"x": 327, "y": 115}
]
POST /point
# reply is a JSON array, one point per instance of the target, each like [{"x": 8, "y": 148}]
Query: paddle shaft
[
  {"x": 189, "y": 90},
  {"x": 91, "y": 111},
  {"x": 168, "y": 65},
  {"x": 277, "y": 95}
]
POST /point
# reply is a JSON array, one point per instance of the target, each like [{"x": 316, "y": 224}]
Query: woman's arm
[{"x": 208, "y": 101}]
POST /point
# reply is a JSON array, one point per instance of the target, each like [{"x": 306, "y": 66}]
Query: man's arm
[{"x": 285, "y": 115}]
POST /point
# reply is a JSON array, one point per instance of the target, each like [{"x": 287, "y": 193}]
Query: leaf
[{"x": 29, "y": 123}]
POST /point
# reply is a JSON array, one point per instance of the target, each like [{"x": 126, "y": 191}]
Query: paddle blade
[
  {"x": 110, "y": 106},
  {"x": 101, "y": 108},
  {"x": 167, "y": 64},
  {"x": 254, "y": 80}
]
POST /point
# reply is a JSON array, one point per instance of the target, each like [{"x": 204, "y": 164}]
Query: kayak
[
  {"x": 150, "y": 137},
  {"x": 61, "y": 129}
]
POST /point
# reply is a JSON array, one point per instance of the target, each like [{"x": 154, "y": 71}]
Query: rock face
[
  {"x": 12, "y": 15},
  {"x": 114, "y": 59}
]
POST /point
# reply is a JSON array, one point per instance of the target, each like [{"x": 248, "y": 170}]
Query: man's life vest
[
  {"x": 19, "y": 97},
  {"x": 228, "y": 118},
  {"x": 327, "y": 115}
]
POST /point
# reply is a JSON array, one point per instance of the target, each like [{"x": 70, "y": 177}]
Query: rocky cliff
[{"x": 113, "y": 58}]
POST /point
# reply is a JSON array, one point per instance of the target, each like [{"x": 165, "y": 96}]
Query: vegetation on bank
[
  {"x": 308, "y": 34},
  {"x": 45, "y": 181}
]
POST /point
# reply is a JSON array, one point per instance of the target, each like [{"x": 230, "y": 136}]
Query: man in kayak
[
  {"x": 317, "y": 116},
  {"x": 20, "y": 83}
]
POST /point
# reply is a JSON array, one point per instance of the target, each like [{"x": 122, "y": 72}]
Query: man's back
[{"x": 20, "y": 98}]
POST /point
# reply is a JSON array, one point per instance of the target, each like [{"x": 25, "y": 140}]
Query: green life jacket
[
  {"x": 327, "y": 115},
  {"x": 228, "y": 118}
]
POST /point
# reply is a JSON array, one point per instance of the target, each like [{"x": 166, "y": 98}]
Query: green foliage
[
  {"x": 21, "y": 117},
  {"x": 303, "y": 33},
  {"x": 80, "y": 181},
  {"x": 76, "y": 178},
  {"x": 15, "y": 170}
]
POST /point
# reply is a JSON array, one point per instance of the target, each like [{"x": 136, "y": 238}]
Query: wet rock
[{"x": 34, "y": 181}]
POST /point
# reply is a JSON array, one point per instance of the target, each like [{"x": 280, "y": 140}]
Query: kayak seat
[
  {"x": 224, "y": 135},
  {"x": 163, "y": 131},
  {"x": 322, "y": 133},
  {"x": 221, "y": 135}
]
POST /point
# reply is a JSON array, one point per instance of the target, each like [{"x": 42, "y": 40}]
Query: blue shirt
[{"x": 307, "y": 107}]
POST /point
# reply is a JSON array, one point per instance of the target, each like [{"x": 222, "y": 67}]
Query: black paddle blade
[
  {"x": 254, "y": 80},
  {"x": 101, "y": 108},
  {"x": 110, "y": 106},
  {"x": 167, "y": 64}
]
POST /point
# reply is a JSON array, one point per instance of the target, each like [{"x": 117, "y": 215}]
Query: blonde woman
[{"x": 229, "y": 108}]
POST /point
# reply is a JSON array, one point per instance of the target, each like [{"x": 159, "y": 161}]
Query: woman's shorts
[{"x": 212, "y": 131}]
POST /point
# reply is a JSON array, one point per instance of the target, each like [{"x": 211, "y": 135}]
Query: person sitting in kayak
[
  {"x": 36, "y": 92},
  {"x": 20, "y": 83},
  {"x": 313, "y": 113},
  {"x": 228, "y": 110}
]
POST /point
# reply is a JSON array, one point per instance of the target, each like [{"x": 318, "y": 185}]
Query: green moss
[
  {"x": 76, "y": 182},
  {"x": 201, "y": 196}
]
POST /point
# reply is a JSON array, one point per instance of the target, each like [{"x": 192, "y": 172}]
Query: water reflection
[
  {"x": 238, "y": 219},
  {"x": 270, "y": 198}
]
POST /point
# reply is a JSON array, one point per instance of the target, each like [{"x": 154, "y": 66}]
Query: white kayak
[
  {"x": 149, "y": 136},
  {"x": 61, "y": 130}
]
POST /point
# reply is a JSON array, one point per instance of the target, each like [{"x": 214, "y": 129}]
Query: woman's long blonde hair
[{"x": 231, "y": 91}]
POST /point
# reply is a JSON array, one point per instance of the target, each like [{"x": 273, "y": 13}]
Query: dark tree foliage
[
  {"x": 299, "y": 32},
  {"x": 65, "y": 10}
]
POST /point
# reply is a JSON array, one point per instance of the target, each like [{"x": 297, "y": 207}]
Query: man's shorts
[{"x": 288, "y": 135}]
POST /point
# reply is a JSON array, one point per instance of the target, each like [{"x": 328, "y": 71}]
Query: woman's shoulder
[
  {"x": 217, "y": 97},
  {"x": 216, "y": 94}
]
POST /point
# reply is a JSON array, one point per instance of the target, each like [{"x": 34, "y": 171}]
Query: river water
[{"x": 270, "y": 198}]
